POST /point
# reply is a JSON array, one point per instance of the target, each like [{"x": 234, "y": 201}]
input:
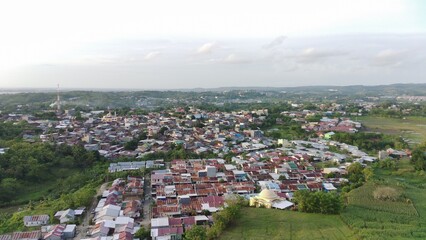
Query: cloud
[
  {"x": 389, "y": 58},
  {"x": 312, "y": 55},
  {"x": 275, "y": 43},
  {"x": 206, "y": 48},
  {"x": 151, "y": 56},
  {"x": 94, "y": 59},
  {"x": 233, "y": 58},
  {"x": 291, "y": 68}
]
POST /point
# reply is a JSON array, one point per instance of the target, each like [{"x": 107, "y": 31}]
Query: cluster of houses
[
  {"x": 46, "y": 230},
  {"x": 326, "y": 125},
  {"x": 194, "y": 186},
  {"x": 184, "y": 193},
  {"x": 196, "y": 130},
  {"x": 119, "y": 207},
  {"x": 187, "y": 191}
]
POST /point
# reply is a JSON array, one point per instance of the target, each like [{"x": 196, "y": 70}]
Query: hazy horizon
[{"x": 189, "y": 44}]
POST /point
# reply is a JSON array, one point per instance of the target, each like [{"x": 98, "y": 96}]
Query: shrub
[{"x": 387, "y": 193}]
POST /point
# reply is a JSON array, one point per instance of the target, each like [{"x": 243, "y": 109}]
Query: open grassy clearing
[
  {"x": 412, "y": 129},
  {"x": 377, "y": 219},
  {"x": 262, "y": 223},
  {"x": 364, "y": 197}
]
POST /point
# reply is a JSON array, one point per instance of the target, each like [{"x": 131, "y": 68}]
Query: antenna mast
[{"x": 58, "y": 101}]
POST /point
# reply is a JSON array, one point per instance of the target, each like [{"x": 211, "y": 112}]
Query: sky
[{"x": 207, "y": 44}]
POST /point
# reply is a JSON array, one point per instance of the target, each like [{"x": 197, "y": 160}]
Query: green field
[
  {"x": 377, "y": 219},
  {"x": 262, "y": 223},
  {"x": 412, "y": 129}
]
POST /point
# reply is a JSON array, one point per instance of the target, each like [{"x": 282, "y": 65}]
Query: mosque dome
[{"x": 268, "y": 194}]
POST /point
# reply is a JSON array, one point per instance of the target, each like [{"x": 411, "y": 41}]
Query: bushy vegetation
[
  {"x": 387, "y": 193},
  {"x": 370, "y": 141},
  {"x": 287, "y": 129},
  {"x": 226, "y": 217},
  {"x": 221, "y": 220},
  {"x": 50, "y": 169},
  {"x": 318, "y": 202},
  {"x": 81, "y": 197},
  {"x": 418, "y": 157},
  {"x": 142, "y": 233},
  {"x": 133, "y": 144},
  {"x": 357, "y": 175},
  {"x": 196, "y": 233},
  {"x": 10, "y": 130}
]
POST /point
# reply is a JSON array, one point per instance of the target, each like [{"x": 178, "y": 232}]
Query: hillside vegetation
[
  {"x": 34, "y": 171},
  {"x": 403, "y": 217}
]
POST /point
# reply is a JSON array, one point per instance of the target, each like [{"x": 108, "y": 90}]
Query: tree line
[
  {"x": 370, "y": 141},
  {"x": 221, "y": 220}
]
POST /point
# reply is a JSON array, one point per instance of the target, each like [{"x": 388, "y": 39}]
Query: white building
[{"x": 36, "y": 220}]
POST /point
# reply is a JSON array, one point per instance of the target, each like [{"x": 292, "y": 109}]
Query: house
[
  {"x": 36, "y": 220},
  {"x": 132, "y": 209},
  {"x": 124, "y": 236},
  {"x": 159, "y": 222},
  {"x": 396, "y": 154},
  {"x": 6, "y": 237},
  {"x": 65, "y": 216},
  {"x": 331, "y": 170},
  {"x": 108, "y": 212},
  {"x": 328, "y": 187},
  {"x": 167, "y": 233},
  {"x": 212, "y": 203},
  {"x": 33, "y": 235},
  {"x": 239, "y": 175},
  {"x": 55, "y": 233},
  {"x": 102, "y": 228},
  {"x": 69, "y": 231}
]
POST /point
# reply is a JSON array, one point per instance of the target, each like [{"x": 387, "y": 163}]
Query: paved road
[
  {"x": 147, "y": 202},
  {"x": 84, "y": 226}
]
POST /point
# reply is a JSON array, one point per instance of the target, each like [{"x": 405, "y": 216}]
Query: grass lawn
[
  {"x": 262, "y": 223},
  {"x": 378, "y": 219},
  {"x": 412, "y": 129}
]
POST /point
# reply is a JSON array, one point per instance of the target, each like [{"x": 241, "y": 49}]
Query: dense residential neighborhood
[
  {"x": 162, "y": 174},
  {"x": 169, "y": 197},
  {"x": 213, "y": 120}
]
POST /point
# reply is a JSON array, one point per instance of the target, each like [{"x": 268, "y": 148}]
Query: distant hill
[
  {"x": 399, "y": 88},
  {"x": 36, "y": 99}
]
